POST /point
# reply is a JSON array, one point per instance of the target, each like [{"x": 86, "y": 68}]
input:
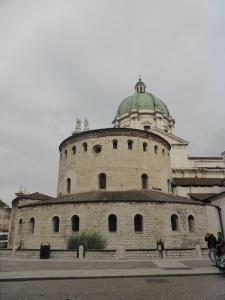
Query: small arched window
[
  {"x": 31, "y": 223},
  {"x": 130, "y": 144},
  {"x": 74, "y": 150},
  {"x": 144, "y": 181},
  {"x": 102, "y": 181},
  {"x": 75, "y": 220},
  {"x": 115, "y": 144},
  {"x": 156, "y": 149},
  {"x": 138, "y": 223},
  {"x": 68, "y": 185},
  {"x": 20, "y": 226},
  {"x": 65, "y": 153},
  {"x": 163, "y": 152},
  {"x": 145, "y": 147},
  {"x": 174, "y": 222},
  {"x": 191, "y": 223},
  {"x": 55, "y": 224},
  {"x": 168, "y": 185},
  {"x": 112, "y": 223},
  {"x": 85, "y": 147}
]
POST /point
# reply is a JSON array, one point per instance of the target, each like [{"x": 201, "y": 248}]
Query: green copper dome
[{"x": 142, "y": 100}]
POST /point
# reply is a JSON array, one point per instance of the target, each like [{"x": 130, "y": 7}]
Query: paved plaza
[
  {"x": 18, "y": 269},
  {"x": 166, "y": 288}
]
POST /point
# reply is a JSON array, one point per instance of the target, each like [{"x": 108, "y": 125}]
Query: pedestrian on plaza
[
  {"x": 220, "y": 246},
  {"x": 211, "y": 244}
]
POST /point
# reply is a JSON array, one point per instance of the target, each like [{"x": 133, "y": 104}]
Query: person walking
[
  {"x": 220, "y": 246},
  {"x": 211, "y": 244}
]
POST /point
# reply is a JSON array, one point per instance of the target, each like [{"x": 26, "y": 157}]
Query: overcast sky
[{"x": 60, "y": 60}]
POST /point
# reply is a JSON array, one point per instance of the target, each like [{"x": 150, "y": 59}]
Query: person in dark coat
[
  {"x": 211, "y": 244},
  {"x": 220, "y": 246}
]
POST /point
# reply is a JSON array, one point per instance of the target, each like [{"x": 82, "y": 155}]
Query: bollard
[
  {"x": 198, "y": 251},
  {"x": 81, "y": 252}
]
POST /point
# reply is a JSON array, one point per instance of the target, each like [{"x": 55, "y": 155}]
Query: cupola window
[
  {"x": 145, "y": 147},
  {"x": 102, "y": 181},
  {"x": 74, "y": 150},
  {"x": 68, "y": 185},
  {"x": 130, "y": 144},
  {"x": 144, "y": 181},
  {"x": 85, "y": 147},
  {"x": 115, "y": 144}
]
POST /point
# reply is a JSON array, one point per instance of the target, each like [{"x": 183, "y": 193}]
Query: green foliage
[
  {"x": 4, "y": 205},
  {"x": 90, "y": 240}
]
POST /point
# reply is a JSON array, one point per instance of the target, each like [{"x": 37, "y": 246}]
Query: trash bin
[{"x": 45, "y": 251}]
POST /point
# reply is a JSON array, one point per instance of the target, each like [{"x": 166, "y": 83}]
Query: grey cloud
[{"x": 65, "y": 59}]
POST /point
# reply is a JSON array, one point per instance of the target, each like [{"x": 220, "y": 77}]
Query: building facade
[{"x": 134, "y": 184}]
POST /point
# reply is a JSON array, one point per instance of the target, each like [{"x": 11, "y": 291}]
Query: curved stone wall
[
  {"x": 94, "y": 217},
  {"x": 123, "y": 167}
]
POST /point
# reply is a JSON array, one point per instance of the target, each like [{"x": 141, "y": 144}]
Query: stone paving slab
[
  {"x": 36, "y": 269},
  {"x": 82, "y": 274}
]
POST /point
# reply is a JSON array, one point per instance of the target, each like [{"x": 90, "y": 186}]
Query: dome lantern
[{"x": 140, "y": 86}]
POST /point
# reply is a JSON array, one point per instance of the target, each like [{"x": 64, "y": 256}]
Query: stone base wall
[
  {"x": 105, "y": 254},
  {"x": 109, "y": 254}
]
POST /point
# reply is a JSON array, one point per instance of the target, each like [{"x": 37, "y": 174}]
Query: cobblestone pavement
[{"x": 167, "y": 288}]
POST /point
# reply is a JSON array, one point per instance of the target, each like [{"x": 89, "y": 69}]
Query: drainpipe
[{"x": 220, "y": 218}]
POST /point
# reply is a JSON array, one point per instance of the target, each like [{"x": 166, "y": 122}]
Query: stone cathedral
[{"x": 133, "y": 183}]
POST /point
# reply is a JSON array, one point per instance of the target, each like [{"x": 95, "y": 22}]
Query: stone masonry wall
[
  {"x": 94, "y": 217},
  {"x": 123, "y": 167}
]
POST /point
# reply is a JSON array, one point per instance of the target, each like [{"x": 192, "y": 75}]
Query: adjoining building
[{"x": 134, "y": 184}]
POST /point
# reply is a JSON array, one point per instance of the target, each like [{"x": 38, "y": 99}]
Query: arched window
[
  {"x": 112, "y": 223},
  {"x": 144, "y": 181},
  {"x": 174, "y": 222},
  {"x": 55, "y": 224},
  {"x": 20, "y": 226},
  {"x": 65, "y": 153},
  {"x": 138, "y": 223},
  {"x": 102, "y": 181},
  {"x": 31, "y": 223},
  {"x": 163, "y": 152},
  {"x": 75, "y": 220},
  {"x": 85, "y": 147},
  {"x": 68, "y": 185},
  {"x": 156, "y": 149},
  {"x": 191, "y": 223},
  {"x": 74, "y": 150},
  {"x": 168, "y": 185},
  {"x": 115, "y": 144},
  {"x": 145, "y": 147},
  {"x": 129, "y": 144}
]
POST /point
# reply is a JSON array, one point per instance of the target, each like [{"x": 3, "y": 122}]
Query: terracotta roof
[
  {"x": 215, "y": 197},
  {"x": 118, "y": 196},
  {"x": 34, "y": 196},
  {"x": 198, "y": 181},
  {"x": 201, "y": 196},
  {"x": 206, "y": 157}
]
